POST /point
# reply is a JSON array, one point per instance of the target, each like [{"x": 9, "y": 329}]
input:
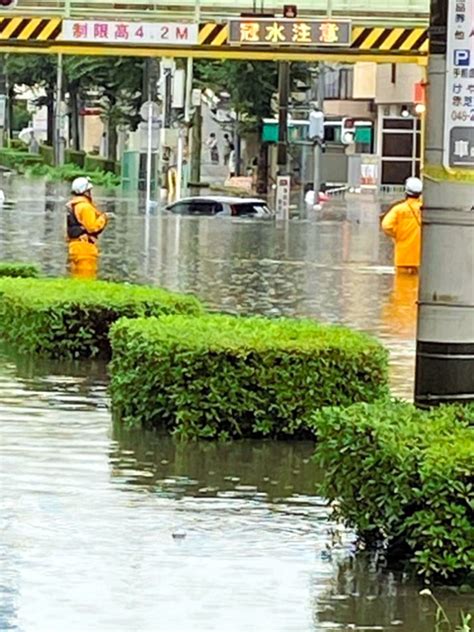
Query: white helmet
[
  {"x": 413, "y": 186},
  {"x": 81, "y": 185}
]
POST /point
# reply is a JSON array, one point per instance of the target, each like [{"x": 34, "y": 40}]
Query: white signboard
[
  {"x": 146, "y": 33},
  {"x": 459, "y": 121},
  {"x": 283, "y": 197},
  {"x": 3, "y": 109}
]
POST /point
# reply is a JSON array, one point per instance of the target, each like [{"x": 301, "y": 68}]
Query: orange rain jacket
[
  {"x": 83, "y": 250},
  {"x": 403, "y": 224}
]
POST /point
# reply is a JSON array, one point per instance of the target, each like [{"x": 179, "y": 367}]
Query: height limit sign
[{"x": 459, "y": 121}]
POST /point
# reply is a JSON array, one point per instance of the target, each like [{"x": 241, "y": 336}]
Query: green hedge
[
  {"x": 17, "y": 145},
  {"x": 23, "y": 270},
  {"x": 47, "y": 153},
  {"x": 71, "y": 318},
  {"x": 75, "y": 157},
  {"x": 239, "y": 377},
  {"x": 97, "y": 163},
  {"x": 404, "y": 477},
  {"x": 18, "y": 160}
]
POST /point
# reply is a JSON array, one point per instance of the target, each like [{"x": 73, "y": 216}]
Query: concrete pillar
[{"x": 445, "y": 338}]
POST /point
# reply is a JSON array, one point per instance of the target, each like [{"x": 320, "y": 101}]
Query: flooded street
[{"x": 111, "y": 530}]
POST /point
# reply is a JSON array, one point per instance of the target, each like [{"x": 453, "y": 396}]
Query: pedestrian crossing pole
[{"x": 445, "y": 337}]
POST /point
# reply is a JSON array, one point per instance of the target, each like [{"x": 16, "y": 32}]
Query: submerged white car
[{"x": 222, "y": 206}]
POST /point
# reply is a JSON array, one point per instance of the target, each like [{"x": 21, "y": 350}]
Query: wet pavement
[{"x": 110, "y": 530}]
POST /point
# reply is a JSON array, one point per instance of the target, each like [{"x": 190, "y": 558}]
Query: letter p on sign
[{"x": 462, "y": 57}]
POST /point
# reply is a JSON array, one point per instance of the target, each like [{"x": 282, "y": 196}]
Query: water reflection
[{"x": 88, "y": 515}]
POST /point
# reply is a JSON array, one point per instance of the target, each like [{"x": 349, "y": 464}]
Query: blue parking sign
[{"x": 462, "y": 57}]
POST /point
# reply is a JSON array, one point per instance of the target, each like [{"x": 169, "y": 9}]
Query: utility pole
[
  {"x": 445, "y": 339},
  {"x": 283, "y": 99},
  {"x": 58, "y": 140},
  {"x": 196, "y": 140}
]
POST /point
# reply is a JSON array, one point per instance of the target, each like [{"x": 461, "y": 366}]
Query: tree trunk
[
  {"x": 112, "y": 141},
  {"x": 262, "y": 170}
]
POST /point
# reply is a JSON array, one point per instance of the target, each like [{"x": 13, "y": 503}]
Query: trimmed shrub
[
  {"x": 19, "y": 270},
  {"x": 97, "y": 163},
  {"x": 17, "y": 145},
  {"x": 403, "y": 477},
  {"x": 75, "y": 157},
  {"x": 223, "y": 376},
  {"x": 71, "y": 318},
  {"x": 47, "y": 153},
  {"x": 18, "y": 160}
]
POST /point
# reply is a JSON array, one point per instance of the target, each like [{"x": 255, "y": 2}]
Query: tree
[
  {"x": 36, "y": 71},
  {"x": 115, "y": 83},
  {"x": 251, "y": 85}
]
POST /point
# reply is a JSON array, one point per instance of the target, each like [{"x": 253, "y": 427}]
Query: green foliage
[
  {"x": 20, "y": 117},
  {"x": 17, "y": 145},
  {"x": 19, "y": 270},
  {"x": 47, "y": 153},
  {"x": 71, "y": 318},
  {"x": 221, "y": 376},
  {"x": 74, "y": 157},
  {"x": 97, "y": 163},
  {"x": 404, "y": 477},
  {"x": 18, "y": 160},
  {"x": 68, "y": 172}
]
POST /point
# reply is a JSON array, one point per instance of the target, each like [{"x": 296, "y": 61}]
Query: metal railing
[{"x": 364, "y": 11}]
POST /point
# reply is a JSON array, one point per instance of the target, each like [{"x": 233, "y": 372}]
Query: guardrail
[{"x": 363, "y": 11}]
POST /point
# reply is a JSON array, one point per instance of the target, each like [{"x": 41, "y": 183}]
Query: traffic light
[
  {"x": 8, "y": 4},
  {"x": 290, "y": 11}
]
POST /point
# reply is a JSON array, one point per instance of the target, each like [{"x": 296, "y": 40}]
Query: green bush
[
  {"x": 71, "y": 318},
  {"x": 18, "y": 160},
  {"x": 221, "y": 376},
  {"x": 75, "y": 157},
  {"x": 97, "y": 163},
  {"x": 23, "y": 270},
  {"x": 68, "y": 172},
  {"x": 47, "y": 153},
  {"x": 17, "y": 145},
  {"x": 403, "y": 477}
]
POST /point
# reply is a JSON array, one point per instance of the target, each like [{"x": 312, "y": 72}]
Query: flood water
[{"x": 110, "y": 530}]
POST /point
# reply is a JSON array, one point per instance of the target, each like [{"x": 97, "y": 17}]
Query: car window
[
  {"x": 180, "y": 208},
  {"x": 207, "y": 207},
  {"x": 249, "y": 209},
  {"x": 196, "y": 207}
]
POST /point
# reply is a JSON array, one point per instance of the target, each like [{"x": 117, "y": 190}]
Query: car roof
[{"x": 222, "y": 199}]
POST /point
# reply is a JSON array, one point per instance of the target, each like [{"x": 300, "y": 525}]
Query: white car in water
[{"x": 222, "y": 206}]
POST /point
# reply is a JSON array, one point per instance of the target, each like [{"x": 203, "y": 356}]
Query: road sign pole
[{"x": 445, "y": 338}]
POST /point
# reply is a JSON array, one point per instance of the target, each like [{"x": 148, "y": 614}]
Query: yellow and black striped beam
[
  {"x": 30, "y": 29},
  {"x": 401, "y": 40},
  {"x": 212, "y": 34},
  {"x": 380, "y": 44},
  {"x": 396, "y": 40}
]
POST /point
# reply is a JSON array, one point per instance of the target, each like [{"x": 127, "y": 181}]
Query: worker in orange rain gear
[
  {"x": 84, "y": 225},
  {"x": 403, "y": 224}
]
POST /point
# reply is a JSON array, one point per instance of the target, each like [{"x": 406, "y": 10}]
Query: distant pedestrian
[
  {"x": 403, "y": 224},
  {"x": 227, "y": 148},
  {"x": 33, "y": 144},
  {"x": 213, "y": 148},
  {"x": 232, "y": 162}
]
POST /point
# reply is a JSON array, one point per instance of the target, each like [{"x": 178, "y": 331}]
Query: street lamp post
[{"x": 445, "y": 338}]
